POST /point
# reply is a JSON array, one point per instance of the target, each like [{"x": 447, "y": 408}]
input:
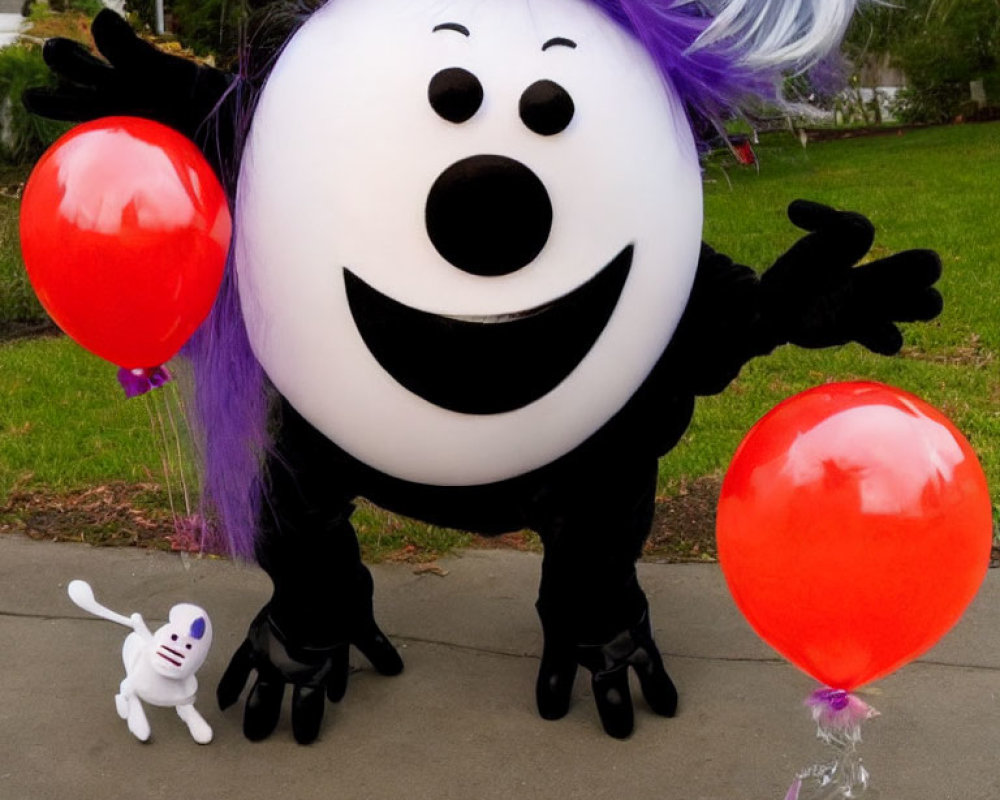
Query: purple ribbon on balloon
[
  {"x": 836, "y": 709},
  {"x": 138, "y": 382}
]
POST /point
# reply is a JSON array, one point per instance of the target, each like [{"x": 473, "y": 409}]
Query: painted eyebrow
[
  {"x": 451, "y": 26},
  {"x": 559, "y": 41}
]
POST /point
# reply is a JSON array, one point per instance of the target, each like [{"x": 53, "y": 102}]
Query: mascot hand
[
  {"x": 136, "y": 80},
  {"x": 609, "y": 667},
  {"x": 317, "y": 673},
  {"x": 814, "y": 296}
]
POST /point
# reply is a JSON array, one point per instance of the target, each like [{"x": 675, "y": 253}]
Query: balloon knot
[
  {"x": 839, "y": 710},
  {"x": 837, "y": 699},
  {"x": 138, "y": 382}
]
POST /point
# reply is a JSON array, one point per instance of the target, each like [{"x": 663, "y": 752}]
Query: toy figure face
[
  {"x": 465, "y": 230},
  {"x": 180, "y": 647}
]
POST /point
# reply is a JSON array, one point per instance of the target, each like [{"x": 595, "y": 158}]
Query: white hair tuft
[{"x": 776, "y": 34}]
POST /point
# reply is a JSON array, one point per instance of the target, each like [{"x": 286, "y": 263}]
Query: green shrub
[
  {"x": 23, "y": 136},
  {"x": 939, "y": 46},
  {"x": 141, "y": 11},
  {"x": 209, "y": 27},
  {"x": 89, "y": 7},
  {"x": 933, "y": 103},
  {"x": 18, "y": 304},
  {"x": 37, "y": 10}
]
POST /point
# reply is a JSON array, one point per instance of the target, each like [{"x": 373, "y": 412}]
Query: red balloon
[
  {"x": 854, "y": 528},
  {"x": 124, "y": 232}
]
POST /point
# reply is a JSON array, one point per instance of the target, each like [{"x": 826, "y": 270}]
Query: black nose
[{"x": 488, "y": 215}]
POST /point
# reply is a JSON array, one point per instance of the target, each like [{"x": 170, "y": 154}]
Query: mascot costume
[{"x": 467, "y": 283}]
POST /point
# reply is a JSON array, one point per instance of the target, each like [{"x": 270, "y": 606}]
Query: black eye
[
  {"x": 546, "y": 108},
  {"x": 173, "y": 637},
  {"x": 188, "y": 646},
  {"x": 455, "y": 94}
]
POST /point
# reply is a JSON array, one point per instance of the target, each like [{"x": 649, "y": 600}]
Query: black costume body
[
  {"x": 592, "y": 507},
  {"x": 313, "y": 482}
]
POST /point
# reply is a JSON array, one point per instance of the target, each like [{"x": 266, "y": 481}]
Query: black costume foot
[
  {"x": 608, "y": 664},
  {"x": 317, "y": 673},
  {"x": 555, "y": 680}
]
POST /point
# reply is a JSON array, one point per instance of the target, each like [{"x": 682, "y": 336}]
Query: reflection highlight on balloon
[{"x": 893, "y": 456}]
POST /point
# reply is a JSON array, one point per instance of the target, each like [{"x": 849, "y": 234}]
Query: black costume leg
[
  {"x": 322, "y": 599},
  {"x": 592, "y": 609}
]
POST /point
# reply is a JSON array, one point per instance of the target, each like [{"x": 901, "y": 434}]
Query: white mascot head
[{"x": 466, "y": 231}]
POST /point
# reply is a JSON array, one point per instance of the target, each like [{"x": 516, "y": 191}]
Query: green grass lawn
[
  {"x": 937, "y": 188},
  {"x": 64, "y": 424}
]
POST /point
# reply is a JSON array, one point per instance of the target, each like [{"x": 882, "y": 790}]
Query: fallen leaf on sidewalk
[{"x": 432, "y": 569}]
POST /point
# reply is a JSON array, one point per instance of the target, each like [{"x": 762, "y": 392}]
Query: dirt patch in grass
[
  {"x": 73, "y": 25},
  {"x": 684, "y": 523},
  {"x": 683, "y": 527},
  {"x": 115, "y": 515},
  {"x": 12, "y": 330},
  {"x": 970, "y": 354},
  {"x": 834, "y": 134},
  {"x": 525, "y": 541},
  {"x": 134, "y": 515}
]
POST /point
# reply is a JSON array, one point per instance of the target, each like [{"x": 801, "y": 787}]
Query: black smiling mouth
[{"x": 486, "y": 365}]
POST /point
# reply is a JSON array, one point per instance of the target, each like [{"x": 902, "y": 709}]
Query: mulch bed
[
  {"x": 834, "y": 134},
  {"x": 133, "y": 515},
  {"x": 684, "y": 524},
  {"x": 11, "y": 330},
  {"x": 115, "y": 515}
]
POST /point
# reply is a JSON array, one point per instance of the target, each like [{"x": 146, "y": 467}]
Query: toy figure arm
[
  {"x": 136, "y": 80},
  {"x": 813, "y": 296},
  {"x": 140, "y": 627}
]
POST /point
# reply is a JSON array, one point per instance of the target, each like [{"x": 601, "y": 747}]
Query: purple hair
[
  {"x": 232, "y": 395},
  {"x": 233, "y": 398},
  {"x": 711, "y": 82}
]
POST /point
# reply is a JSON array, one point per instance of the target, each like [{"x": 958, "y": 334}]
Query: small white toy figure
[{"x": 160, "y": 666}]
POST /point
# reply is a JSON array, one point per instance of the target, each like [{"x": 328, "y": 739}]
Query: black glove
[
  {"x": 814, "y": 296},
  {"x": 316, "y": 673},
  {"x": 609, "y": 665},
  {"x": 136, "y": 80}
]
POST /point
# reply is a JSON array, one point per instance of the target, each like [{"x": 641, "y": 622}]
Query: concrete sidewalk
[
  {"x": 460, "y": 721},
  {"x": 10, "y": 27}
]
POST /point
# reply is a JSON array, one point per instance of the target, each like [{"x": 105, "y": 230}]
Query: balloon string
[
  {"x": 180, "y": 457},
  {"x": 838, "y": 715},
  {"x": 195, "y": 449},
  {"x": 193, "y": 441},
  {"x": 163, "y": 453}
]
